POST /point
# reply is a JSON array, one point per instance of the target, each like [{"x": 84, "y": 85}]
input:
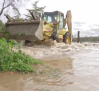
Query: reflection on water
[{"x": 77, "y": 72}]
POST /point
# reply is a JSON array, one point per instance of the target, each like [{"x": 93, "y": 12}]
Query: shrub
[{"x": 15, "y": 61}]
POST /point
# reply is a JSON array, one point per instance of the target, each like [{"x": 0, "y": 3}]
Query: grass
[{"x": 15, "y": 61}]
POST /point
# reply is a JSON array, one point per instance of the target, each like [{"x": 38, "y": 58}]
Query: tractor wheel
[
  {"x": 55, "y": 37},
  {"x": 67, "y": 38},
  {"x": 27, "y": 42}
]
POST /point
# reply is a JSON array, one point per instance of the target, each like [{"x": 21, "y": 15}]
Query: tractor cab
[{"x": 56, "y": 18}]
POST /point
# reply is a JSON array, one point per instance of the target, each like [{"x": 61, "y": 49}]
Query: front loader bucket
[{"x": 31, "y": 30}]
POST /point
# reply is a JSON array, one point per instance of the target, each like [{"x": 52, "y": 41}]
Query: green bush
[{"x": 15, "y": 61}]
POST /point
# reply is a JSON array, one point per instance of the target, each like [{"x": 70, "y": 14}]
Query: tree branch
[
  {"x": 9, "y": 4},
  {"x": 5, "y": 6},
  {"x": 2, "y": 7}
]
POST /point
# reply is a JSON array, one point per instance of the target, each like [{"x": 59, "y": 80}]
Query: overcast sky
[{"x": 85, "y": 13}]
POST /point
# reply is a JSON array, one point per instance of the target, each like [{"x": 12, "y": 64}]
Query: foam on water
[{"x": 50, "y": 48}]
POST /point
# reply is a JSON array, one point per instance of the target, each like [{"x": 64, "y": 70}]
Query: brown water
[{"x": 73, "y": 70}]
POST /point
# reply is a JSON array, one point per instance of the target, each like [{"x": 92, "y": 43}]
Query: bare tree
[{"x": 11, "y": 3}]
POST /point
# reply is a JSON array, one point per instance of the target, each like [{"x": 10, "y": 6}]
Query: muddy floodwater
[{"x": 68, "y": 68}]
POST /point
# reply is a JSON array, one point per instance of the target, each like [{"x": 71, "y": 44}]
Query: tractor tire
[
  {"x": 27, "y": 42},
  {"x": 55, "y": 37},
  {"x": 67, "y": 38}
]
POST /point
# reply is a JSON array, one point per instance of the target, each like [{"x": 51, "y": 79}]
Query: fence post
[{"x": 78, "y": 37}]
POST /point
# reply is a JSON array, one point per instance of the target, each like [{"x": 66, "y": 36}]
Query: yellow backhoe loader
[
  {"x": 50, "y": 25},
  {"x": 54, "y": 26}
]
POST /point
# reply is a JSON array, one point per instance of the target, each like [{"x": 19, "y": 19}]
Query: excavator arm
[{"x": 68, "y": 21}]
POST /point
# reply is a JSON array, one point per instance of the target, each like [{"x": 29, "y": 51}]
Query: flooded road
[{"x": 74, "y": 68}]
